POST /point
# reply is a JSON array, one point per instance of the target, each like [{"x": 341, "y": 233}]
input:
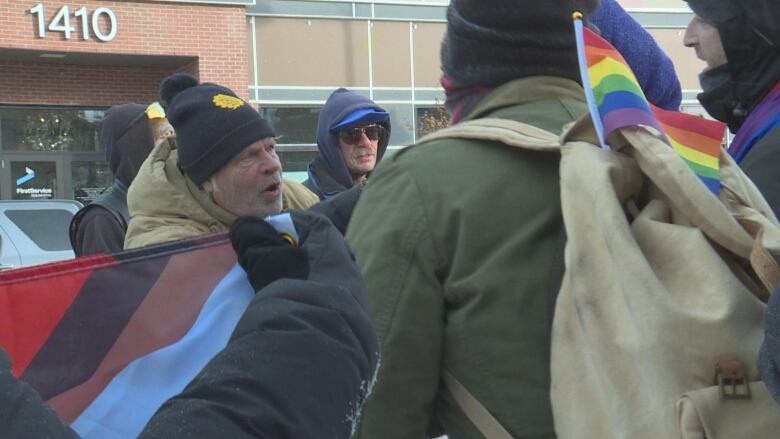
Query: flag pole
[{"x": 586, "y": 85}]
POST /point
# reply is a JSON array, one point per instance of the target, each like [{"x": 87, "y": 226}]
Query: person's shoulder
[
  {"x": 95, "y": 212},
  {"x": 298, "y": 196}
]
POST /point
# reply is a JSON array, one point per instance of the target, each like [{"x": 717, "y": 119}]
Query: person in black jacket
[
  {"x": 299, "y": 364},
  {"x": 127, "y": 137},
  {"x": 740, "y": 42}
]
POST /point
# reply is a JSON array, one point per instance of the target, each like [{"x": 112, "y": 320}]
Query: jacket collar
[
  {"x": 527, "y": 90},
  {"x": 168, "y": 192},
  {"x": 204, "y": 200}
]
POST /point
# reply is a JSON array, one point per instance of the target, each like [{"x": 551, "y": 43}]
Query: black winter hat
[
  {"x": 212, "y": 124},
  {"x": 752, "y": 16},
  {"x": 490, "y": 42}
]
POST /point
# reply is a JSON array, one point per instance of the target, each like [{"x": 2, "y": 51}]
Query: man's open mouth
[{"x": 272, "y": 188}]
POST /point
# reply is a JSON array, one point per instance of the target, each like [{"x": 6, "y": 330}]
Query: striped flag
[
  {"x": 616, "y": 101},
  {"x": 697, "y": 140},
  {"x": 107, "y": 339}
]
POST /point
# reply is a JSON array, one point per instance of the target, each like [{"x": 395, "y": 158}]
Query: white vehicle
[{"x": 35, "y": 231}]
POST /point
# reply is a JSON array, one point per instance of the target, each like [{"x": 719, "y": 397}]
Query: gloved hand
[{"x": 264, "y": 254}]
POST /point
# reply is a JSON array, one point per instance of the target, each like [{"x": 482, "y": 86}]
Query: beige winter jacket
[{"x": 165, "y": 205}]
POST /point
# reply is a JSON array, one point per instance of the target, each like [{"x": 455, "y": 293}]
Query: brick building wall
[{"x": 207, "y": 40}]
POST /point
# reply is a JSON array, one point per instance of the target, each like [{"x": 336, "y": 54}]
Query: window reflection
[
  {"x": 90, "y": 179},
  {"x": 50, "y": 129},
  {"x": 430, "y": 120},
  {"x": 293, "y": 125},
  {"x": 402, "y": 123}
]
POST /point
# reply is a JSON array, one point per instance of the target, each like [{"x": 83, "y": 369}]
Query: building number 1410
[{"x": 61, "y": 22}]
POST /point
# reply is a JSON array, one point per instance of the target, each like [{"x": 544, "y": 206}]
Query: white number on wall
[{"x": 90, "y": 23}]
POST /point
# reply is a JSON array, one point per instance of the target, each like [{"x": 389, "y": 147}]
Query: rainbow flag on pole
[{"x": 617, "y": 101}]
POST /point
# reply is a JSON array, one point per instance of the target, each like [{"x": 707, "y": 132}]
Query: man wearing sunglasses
[
  {"x": 352, "y": 136},
  {"x": 128, "y": 134}
]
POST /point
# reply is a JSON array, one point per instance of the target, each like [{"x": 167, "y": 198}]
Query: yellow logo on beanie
[{"x": 227, "y": 102}]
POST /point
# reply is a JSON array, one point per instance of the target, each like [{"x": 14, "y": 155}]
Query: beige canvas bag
[
  {"x": 658, "y": 322},
  {"x": 663, "y": 293}
]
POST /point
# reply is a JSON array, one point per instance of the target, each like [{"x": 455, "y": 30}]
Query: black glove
[{"x": 264, "y": 254}]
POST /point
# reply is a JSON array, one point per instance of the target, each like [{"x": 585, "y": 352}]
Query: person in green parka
[{"x": 457, "y": 238}]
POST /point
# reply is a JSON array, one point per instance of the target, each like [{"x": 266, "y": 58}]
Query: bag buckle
[{"x": 731, "y": 380}]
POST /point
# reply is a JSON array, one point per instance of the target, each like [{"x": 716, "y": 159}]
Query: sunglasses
[{"x": 351, "y": 136}]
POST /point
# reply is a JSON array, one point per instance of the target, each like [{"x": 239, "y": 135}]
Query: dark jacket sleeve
[
  {"x": 299, "y": 364},
  {"x": 762, "y": 165},
  {"x": 22, "y": 412},
  {"x": 98, "y": 232},
  {"x": 338, "y": 209},
  {"x": 653, "y": 68}
]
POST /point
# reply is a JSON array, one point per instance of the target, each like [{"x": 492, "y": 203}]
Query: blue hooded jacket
[
  {"x": 653, "y": 68},
  {"x": 328, "y": 172}
]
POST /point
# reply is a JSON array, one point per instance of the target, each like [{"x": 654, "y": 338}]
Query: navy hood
[{"x": 328, "y": 173}]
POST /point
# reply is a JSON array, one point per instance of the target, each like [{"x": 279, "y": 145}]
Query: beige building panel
[
  {"x": 391, "y": 54},
  {"x": 684, "y": 58},
  {"x": 427, "y": 41},
  {"x": 654, "y": 4},
  {"x": 305, "y": 52}
]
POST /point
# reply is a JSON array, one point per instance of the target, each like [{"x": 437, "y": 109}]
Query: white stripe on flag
[{"x": 134, "y": 395}]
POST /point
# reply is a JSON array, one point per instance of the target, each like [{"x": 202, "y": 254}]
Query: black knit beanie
[
  {"x": 490, "y": 42},
  {"x": 212, "y": 124}
]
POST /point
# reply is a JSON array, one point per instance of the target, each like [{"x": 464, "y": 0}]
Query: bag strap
[
  {"x": 474, "y": 410},
  {"x": 764, "y": 264},
  {"x": 761, "y": 260},
  {"x": 515, "y": 134},
  {"x": 508, "y": 132}
]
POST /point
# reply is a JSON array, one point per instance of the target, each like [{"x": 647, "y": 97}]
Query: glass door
[
  {"x": 31, "y": 177},
  {"x": 89, "y": 177}
]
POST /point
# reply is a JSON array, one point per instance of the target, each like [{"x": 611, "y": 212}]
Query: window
[
  {"x": 295, "y": 163},
  {"x": 50, "y": 129},
  {"x": 90, "y": 179},
  {"x": 401, "y": 123},
  {"x": 47, "y": 228},
  {"x": 430, "y": 120},
  {"x": 297, "y": 142},
  {"x": 293, "y": 125}
]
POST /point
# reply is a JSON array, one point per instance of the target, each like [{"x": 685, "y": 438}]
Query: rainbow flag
[
  {"x": 107, "y": 339},
  {"x": 617, "y": 101},
  {"x": 697, "y": 140}
]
